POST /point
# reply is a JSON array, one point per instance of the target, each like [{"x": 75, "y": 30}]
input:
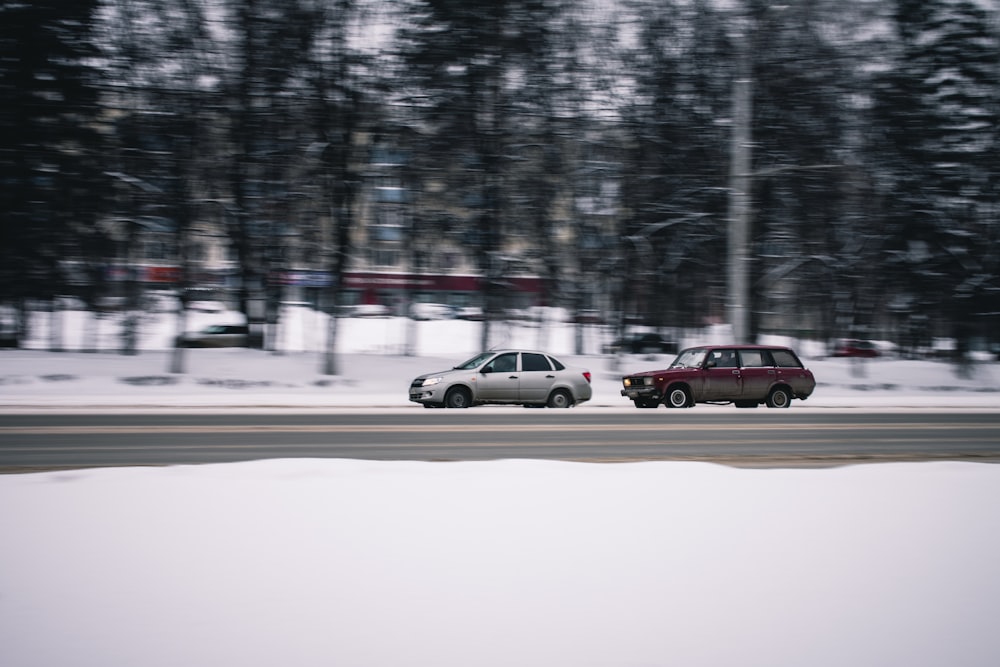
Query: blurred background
[{"x": 820, "y": 169}]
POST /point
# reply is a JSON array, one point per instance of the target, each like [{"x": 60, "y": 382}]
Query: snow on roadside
[{"x": 375, "y": 371}]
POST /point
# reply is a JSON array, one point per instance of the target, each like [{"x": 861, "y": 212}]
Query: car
[
  {"x": 216, "y": 335},
  {"x": 206, "y": 306},
  {"x": 647, "y": 343},
  {"x": 519, "y": 377},
  {"x": 471, "y": 313},
  {"x": 431, "y": 311},
  {"x": 368, "y": 310},
  {"x": 851, "y": 347},
  {"x": 9, "y": 334},
  {"x": 744, "y": 375},
  {"x": 588, "y": 316}
]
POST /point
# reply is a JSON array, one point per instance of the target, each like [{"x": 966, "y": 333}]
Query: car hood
[
  {"x": 664, "y": 371},
  {"x": 450, "y": 371}
]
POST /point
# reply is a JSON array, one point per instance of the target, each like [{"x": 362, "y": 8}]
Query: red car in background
[{"x": 853, "y": 347}]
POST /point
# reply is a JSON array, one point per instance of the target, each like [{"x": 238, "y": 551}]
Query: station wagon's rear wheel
[
  {"x": 560, "y": 398},
  {"x": 458, "y": 397},
  {"x": 678, "y": 397},
  {"x": 779, "y": 398}
]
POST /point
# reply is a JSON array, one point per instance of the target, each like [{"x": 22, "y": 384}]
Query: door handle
[
  {"x": 512, "y": 377},
  {"x": 736, "y": 372}
]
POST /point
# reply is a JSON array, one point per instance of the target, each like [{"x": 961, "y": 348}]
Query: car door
[
  {"x": 499, "y": 379},
  {"x": 537, "y": 377},
  {"x": 757, "y": 368},
  {"x": 723, "y": 380}
]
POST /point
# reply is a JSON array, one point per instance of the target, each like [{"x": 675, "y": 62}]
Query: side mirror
[
  {"x": 711, "y": 363},
  {"x": 486, "y": 369}
]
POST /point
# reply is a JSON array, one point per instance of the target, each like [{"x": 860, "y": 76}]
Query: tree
[
  {"x": 157, "y": 58},
  {"x": 470, "y": 61},
  {"x": 803, "y": 171},
  {"x": 675, "y": 177},
  {"x": 50, "y": 164},
  {"x": 938, "y": 118},
  {"x": 338, "y": 110}
]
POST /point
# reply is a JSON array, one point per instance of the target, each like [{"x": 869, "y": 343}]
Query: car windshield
[
  {"x": 689, "y": 359},
  {"x": 475, "y": 362}
]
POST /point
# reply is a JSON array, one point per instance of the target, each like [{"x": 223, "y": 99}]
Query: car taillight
[{"x": 586, "y": 374}]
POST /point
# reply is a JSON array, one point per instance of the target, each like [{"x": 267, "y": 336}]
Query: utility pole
[{"x": 740, "y": 152}]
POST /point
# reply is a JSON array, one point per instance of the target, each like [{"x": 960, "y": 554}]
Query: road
[{"x": 759, "y": 437}]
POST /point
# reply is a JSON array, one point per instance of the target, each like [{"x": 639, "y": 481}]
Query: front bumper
[
  {"x": 634, "y": 393},
  {"x": 425, "y": 395}
]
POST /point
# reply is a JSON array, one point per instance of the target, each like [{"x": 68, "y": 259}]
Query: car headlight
[
  {"x": 429, "y": 382},
  {"x": 627, "y": 382}
]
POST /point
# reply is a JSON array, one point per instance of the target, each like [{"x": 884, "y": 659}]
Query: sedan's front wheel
[{"x": 458, "y": 397}]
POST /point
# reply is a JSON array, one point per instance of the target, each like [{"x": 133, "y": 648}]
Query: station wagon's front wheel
[
  {"x": 779, "y": 398},
  {"x": 678, "y": 397}
]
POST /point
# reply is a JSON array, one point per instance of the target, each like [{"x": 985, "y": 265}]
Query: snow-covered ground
[{"x": 491, "y": 564}]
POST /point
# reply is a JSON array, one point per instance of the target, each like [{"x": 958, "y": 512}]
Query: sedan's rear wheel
[
  {"x": 560, "y": 398},
  {"x": 779, "y": 398},
  {"x": 458, "y": 397},
  {"x": 678, "y": 397}
]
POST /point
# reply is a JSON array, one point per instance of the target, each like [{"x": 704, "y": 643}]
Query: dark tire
[
  {"x": 560, "y": 398},
  {"x": 645, "y": 403},
  {"x": 779, "y": 398},
  {"x": 458, "y": 397},
  {"x": 746, "y": 404},
  {"x": 678, "y": 397}
]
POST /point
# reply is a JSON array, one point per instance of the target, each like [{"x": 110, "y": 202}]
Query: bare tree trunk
[
  {"x": 177, "y": 352},
  {"x": 330, "y": 366}
]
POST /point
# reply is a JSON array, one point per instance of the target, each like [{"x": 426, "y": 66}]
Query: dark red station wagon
[{"x": 745, "y": 375}]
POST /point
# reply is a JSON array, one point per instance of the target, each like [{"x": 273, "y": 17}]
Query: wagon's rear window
[{"x": 785, "y": 359}]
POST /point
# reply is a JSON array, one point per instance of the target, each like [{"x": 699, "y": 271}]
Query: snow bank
[{"x": 320, "y": 562}]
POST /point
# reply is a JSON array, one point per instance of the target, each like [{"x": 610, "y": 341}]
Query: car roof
[{"x": 739, "y": 347}]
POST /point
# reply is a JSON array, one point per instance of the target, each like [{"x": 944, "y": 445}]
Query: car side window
[
  {"x": 751, "y": 359},
  {"x": 722, "y": 359},
  {"x": 505, "y": 363},
  {"x": 534, "y": 362},
  {"x": 785, "y": 359}
]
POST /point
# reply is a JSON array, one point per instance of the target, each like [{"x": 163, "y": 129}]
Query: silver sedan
[{"x": 522, "y": 377}]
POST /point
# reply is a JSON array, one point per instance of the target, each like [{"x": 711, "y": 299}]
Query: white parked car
[
  {"x": 369, "y": 310},
  {"x": 521, "y": 377},
  {"x": 431, "y": 311}
]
